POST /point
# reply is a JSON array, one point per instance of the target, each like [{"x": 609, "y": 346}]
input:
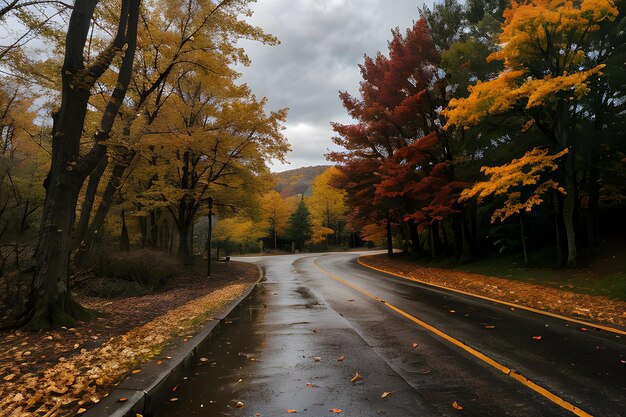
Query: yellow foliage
[
  {"x": 507, "y": 180},
  {"x": 547, "y": 35}
]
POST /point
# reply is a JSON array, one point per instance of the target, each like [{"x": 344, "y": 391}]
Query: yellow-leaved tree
[
  {"x": 327, "y": 207},
  {"x": 543, "y": 47},
  {"x": 275, "y": 212}
]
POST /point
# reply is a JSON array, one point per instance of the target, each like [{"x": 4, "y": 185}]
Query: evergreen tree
[{"x": 299, "y": 228}]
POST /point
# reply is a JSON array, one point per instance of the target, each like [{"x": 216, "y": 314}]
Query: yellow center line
[
  {"x": 493, "y": 300},
  {"x": 502, "y": 368}
]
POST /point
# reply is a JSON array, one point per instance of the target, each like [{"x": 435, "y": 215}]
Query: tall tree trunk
[
  {"x": 50, "y": 302},
  {"x": 558, "y": 229},
  {"x": 569, "y": 209},
  {"x": 389, "y": 237},
  {"x": 467, "y": 254},
  {"x": 523, "y": 236},
  {"x": 435, "y": 241},
  {"x": 88, "y": 202},
  {"x": 112, "y": 187},
  {"x": 124, "y": 240},
  {"x": 415, "y": 238}
]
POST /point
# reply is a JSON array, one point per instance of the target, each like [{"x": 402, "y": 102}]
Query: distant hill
[{"x": 297, "y": 181}]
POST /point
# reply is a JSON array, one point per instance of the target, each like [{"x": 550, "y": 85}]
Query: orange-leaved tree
[{"x": 543, "y": 48}]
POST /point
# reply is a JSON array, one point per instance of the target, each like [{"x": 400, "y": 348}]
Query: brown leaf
[
  {"x": 336, "y": 410},
  {"x": 122, "y": 400},
  {"x": 490, "y": 326},
  {"x": 309, "y": 385},
  {"x": 175, "y": 387},
  {"x": 136, "y": 371},
  {"x": 583, "y": 329},
  {"x": 239, "y": 404},
  {"x": 537, "y": 337},
  {"x": 317, "y": 359},
  {"x": 414, "y": 345},
  {"x": 81, "y": 410},
  {"x": 341, "y": 358},
  {"x": 173, "y": 399},
  {"x": 385, "y": 394},
  {"x": 356, "y": 377},
  {"x": 292, "y": 411},
  {"x": 457, "y": 406},
  {"x": 314, "y": 331}
]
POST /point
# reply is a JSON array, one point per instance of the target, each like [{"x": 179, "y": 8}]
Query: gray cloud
[{"x": 322, "y": 43}]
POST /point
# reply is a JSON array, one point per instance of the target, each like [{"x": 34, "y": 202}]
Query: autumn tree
[
  {"x": 50, "y": 301},
  {"x": 327, "y": 207},
  {"x": 212, "y": 135},
  {"x": 544, "y": 79},
  {"x": 203, "y": 39},
  {"x": 275, "y": 212}
]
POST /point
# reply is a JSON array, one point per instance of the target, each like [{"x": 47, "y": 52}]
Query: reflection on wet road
[{"x": 282, "y": 352}]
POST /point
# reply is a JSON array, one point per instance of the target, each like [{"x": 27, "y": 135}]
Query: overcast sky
[{"x": 322, "y": 43}]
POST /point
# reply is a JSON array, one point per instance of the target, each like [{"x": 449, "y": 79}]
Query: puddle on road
[{"x": 214, "y": 382}]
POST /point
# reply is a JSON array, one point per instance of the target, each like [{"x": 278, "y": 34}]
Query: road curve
[{"x": 282, "y": 352}]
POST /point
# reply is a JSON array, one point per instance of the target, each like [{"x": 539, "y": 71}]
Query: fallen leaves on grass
[{"x": 74, "y": 383}]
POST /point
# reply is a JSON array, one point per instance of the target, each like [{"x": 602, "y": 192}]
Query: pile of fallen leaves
[
  {"x": 44, "y": 374},
  {"x": 589, "y": 307}
]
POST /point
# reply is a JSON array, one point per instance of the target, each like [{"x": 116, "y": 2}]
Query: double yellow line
[{"x": 502, "y": 368}]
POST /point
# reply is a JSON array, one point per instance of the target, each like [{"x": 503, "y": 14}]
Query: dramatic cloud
[{"x": 322, "y": 43}]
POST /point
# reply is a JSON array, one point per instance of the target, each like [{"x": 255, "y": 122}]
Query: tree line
[
  {"x": 490, "y": 126},
  {"x": 131, "y": 115}
]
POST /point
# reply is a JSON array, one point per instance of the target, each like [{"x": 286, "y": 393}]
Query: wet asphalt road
[{"x": 265, "y": 356}]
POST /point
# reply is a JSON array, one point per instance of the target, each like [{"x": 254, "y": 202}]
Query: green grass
[{"x": 604, "y": 272}]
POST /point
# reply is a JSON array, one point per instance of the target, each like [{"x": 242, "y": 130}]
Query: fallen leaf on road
[
  {"x": 240, "y": 381},
  {"x": 204, "y": 360},
  {"x": 452, "y": 311},
  {"x": 489, "y": 326},
  {"x": 81, "y": 410},
  {"x": 292, "y": 411},
  {"x": 350, "y": 301},
  {"x": 309, "y": 385},
  {"x": 175, "y": 388},
  {"x": 583, "y": 329},
  {"x": 457, "y": 406},
  {"x": 136, "y": 371},
  {"x": 317, "y": 359},
  {"x": 341, "y": 358},
  {"x": 122, "y": 400},
  {"x": 314, "y": 331},
  {"x": 239, "y": 404},
  {"x": 537, "y": 337},
  {"x": 414, "y": 345},
  {"x": 159, "y": 362},
  {"x": 356, "y": 377},
  {"x": 173, "y": 399},
  {"x": 385, "y": 394},
  {"x": 335, "y": 410}
]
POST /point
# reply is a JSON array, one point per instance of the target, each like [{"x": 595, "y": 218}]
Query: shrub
[{"x": 148, "y": 268}]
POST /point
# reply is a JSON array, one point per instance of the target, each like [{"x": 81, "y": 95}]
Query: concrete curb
[{"x": 144, "y": 390}]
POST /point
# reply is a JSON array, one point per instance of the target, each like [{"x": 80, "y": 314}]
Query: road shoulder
[{"x": 594, "y": 309}]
